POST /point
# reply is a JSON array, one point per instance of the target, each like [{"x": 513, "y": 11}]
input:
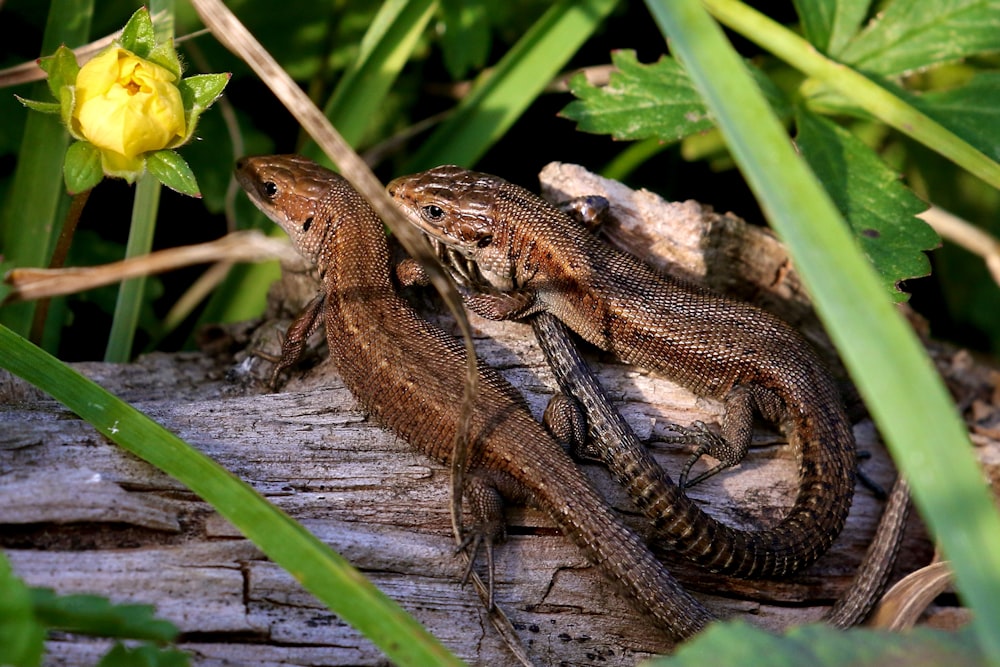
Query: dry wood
[{"x": 78, "y": 514}]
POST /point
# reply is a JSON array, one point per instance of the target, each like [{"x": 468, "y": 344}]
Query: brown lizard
[
  {"x": 403, "y": 370},
  {"x": 536, "y": 258}
]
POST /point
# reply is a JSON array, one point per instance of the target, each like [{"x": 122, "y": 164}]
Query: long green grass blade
[
  {"x": 496, "y": 101},
  {"x": 899, "y": 384},
  {"x": 318, "y": 568},
  {"x": 384, "y": 51},
  {"x": 30, "y": 219}
]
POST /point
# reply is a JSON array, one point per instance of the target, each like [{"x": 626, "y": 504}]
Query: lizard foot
[{"x": 707, "y": 442}]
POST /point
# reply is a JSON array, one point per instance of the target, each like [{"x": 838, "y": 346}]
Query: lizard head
[
  {"x": 299, "y": 195},
  {"x": 456, "y": 208}
]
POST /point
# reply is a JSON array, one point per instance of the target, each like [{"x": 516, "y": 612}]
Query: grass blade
[
  {"x": 318, "y": 568},
  {"x": 892, "y": 371}
]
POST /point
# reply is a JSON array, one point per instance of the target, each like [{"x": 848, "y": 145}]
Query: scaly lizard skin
[
  {"x": 406, "y": 372},
  {"x": 539, "y": 259}
]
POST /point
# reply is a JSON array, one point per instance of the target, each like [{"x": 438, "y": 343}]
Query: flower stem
[{"x": 140, "y": 241}]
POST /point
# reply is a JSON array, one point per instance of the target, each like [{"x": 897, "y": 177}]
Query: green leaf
[
  {"x": 640, "y": 101},
  {"x": 879, "y": 208},
  {"x": 22, "y": 637},
  {"x": 829, "y": 24},
  {"x": 170, "y": 169},
  {"x": 465, "y": 41},
  {"x": 145, "y": 655},
  {"x": 199, "y": 92},
  {"x": 649, "y": 101},
  {"x": 738, "y": 644},
  {"x": 971, "y": 111},
  {"x": 82, "y": 168},
  {"x": 165, "y": 55},
  {"x": 61, "y": 68},
  {"x": 138, "y": 35},
  {"x": 97, "y": 616},
  {"x": 914, "y": 34},
  {"x": 44, "y": 107},
  {"x": 36, "y": 192}
]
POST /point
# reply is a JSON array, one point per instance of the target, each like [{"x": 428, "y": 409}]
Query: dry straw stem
[
  {"x": 245, "y": 246},
  {"x": 967, "y": 235}
]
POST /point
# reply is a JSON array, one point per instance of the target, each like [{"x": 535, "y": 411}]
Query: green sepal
[
  {"x": 34, "y": 105},
  {"x": 197, "y": 94},
  {"x": 82, "y": 167},
  {"x": 165, "y": 55},
  {"x": 61, "y": 69},
  {"x": 138, "y": 35},
  {"x": 170, "y": 169},
  {"x": 67, "y": 100}
]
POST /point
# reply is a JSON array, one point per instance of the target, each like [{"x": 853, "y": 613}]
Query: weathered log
[{"x": 80, "y": 515}]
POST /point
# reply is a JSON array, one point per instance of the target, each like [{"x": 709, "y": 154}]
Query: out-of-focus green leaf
[
  {"x": 971, "y": 111},
  {"x": 739, "y": 644},
  {"x": 912, "y": 34},
  {"x": 385, "y": 49},
  {"x": 98, "y": 616},
  {"x": 501, "y": 96},
  {"x": 144, "y": 655},
  {"x": 465, "y": 40},
  {"x": 22, "y": 636},
  {"x": 871, "y": 197},
  {"x": 828, "y": 24}
]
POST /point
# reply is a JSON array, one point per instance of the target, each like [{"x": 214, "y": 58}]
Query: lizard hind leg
[
  {"x": 482, "y": 490},
  {"x": 707, "y": 442},
  {"x": 566, "y": 420},
  {"x": 731, "y": 446}
]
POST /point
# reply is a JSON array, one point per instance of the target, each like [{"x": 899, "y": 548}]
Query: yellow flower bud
[{"x": 127, "y": 106}]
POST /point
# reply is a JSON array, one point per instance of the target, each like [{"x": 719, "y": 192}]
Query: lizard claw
[
  {"x": 707, "y": 442},
  {"x": 471, "y": 544}
]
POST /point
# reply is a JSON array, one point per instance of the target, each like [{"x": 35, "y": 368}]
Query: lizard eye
[
  {"x": 433, "y": 213},
  {"x": 270, "y": 189},
  {"x": 307, "y": 224},
  {"x": 485, "y": 241}
]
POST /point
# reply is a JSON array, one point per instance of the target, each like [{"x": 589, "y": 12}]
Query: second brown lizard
[{"x": 536, "y": 258}]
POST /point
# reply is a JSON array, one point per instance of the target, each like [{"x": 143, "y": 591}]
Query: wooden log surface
[{"x": 80, "y": 515}]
